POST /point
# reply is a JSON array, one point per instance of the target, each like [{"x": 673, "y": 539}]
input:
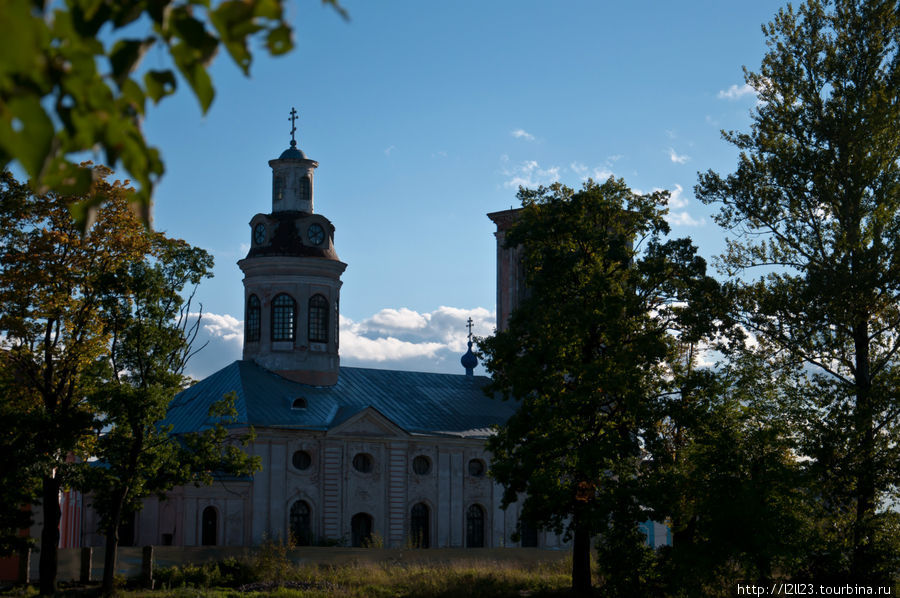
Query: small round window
[
  {"x": 362, "y": 463},
  {"x": 422, "y": 465},
  {"x": 299, "y": 403},
  {"x": 301, "y": 460},
  {"x": 476, "y": 468}
]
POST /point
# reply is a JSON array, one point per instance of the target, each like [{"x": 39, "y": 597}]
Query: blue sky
[{"x": 424, "y": 116}]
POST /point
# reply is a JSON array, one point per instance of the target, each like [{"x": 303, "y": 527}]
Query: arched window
[
  {"x": 251, "y": 330},
  {"x": 301, "y": 530},
  {"x": 361, "y": 530},
  {"x": 305, "y": 188},
  {"x": 318, "y": 319},
  {"x": 277, "y": 188},
  {"x": 418, "y": 525},
  {"x": 284, "y": 311},
  {"x": 209, "y": 526},
  {"x": 475, "y": 527}
]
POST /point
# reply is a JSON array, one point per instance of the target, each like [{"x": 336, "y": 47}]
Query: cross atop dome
[{"x": 293, "y": 119}]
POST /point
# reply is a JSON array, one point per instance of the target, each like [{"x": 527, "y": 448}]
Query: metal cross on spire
[
  {"x": 293, "y": 119},
  {"x": 469, "y": 326}
]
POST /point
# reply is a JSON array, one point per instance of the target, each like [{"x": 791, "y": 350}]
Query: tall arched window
[
  {"x": 418, "y": 525},
  {"x": 361, "y": 529},
  {"x": 301, "y": 529},
  {"x": 284, "y": 311},
  {"x": 318, "y": 319},
  {"x": 209, "y": 526},
  {"x": 475, "y": 527},
  {"x": 305, "y": 188},
  {"x": 251, "y": 331}
]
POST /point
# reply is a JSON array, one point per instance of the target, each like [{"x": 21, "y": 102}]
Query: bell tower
[{"x": 292, "y": 278}]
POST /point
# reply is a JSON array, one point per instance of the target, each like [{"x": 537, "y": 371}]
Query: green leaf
[
  {"x": 21, "y": 46},
  {"x": 134, "y": 95},
  {"x": 194, "y": 71},
  {"x": 159, "y": 84},
  {"x": 125, "y": 56},
  {"x": 279, "y": 40},
  {"x": 194, "y": 36},
  {"x": 26, "y": 132}
]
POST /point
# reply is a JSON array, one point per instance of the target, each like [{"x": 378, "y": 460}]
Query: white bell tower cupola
[{"x": 292, "y": 177}]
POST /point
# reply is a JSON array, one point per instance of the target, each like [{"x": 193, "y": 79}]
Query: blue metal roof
[{"x": 419, "y": 403}]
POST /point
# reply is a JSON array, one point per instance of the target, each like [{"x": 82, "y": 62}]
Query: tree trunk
[
  {"x": 581, "y": 562},
  {"x": 49, "y": 557},
  {"x": 109, "y": 562},
  {"x": 862, "y": 567},
  {"x": 112, "y": 546}
]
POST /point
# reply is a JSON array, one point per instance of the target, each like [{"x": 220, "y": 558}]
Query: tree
[
  {"x": 19, "y": 470},
  {"x": 53, "y": 280},
  {"x": 152, "y": 333},
  {"x": 587, "y": 355},
  {"x": 723, "y": 473},
  {"x": 57, "y": 100},
  {"x": 815, "y": 207}
]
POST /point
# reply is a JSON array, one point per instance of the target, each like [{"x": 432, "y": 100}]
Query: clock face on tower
[
  {"x": 316, "y": 234},
  {"x": 259, "y": 234}
]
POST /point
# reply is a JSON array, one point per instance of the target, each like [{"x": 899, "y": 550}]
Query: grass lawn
[{"x": 470, "y": 579}]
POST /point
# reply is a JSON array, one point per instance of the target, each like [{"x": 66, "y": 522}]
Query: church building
[{"x": 350, "y": 456}]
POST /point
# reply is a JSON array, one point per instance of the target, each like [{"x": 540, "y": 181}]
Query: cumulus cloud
[
  {"x": 405, "y": 339},
  {"x": 522, "y": 134},
  {"x": 676, "y": 200},
  {"x": 410, "y": 333},
  {"x": 677, "y": 215},
  {"x": 677, "y": 158},
  {"x": 528, "y": 174},
  {"x": 683, "y": 219},
  {"x": 395, "y": 338},
  {"x": 219, "y": 341},
  {"x": 598, "y": 173},
  {"x": 223, "y": 326},
  {"x": 735, "y": 92}
]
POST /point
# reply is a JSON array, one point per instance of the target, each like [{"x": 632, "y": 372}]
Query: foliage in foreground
[{"x": 70, "y": 83}]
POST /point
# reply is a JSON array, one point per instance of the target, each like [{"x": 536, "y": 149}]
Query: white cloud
[
  {"x": 678, "y": 158},
  {"x": 407, "y": 339},
  {"x": 360, "y": 348},
  {"x": 683, "y": 219},
  {"x": 675, "y": 198},
  {"x": 529, "y": 174},
  {"x": 223, "y": 326},
  {"x": 597, "y": 173},
  {"x": 522, "y": 134},
  {"x": 396, "y": 338},
  {"x": 389, "y": 149},
  {"x": 677, "y": 201},
  {"x": 735, "y": 92},
  {"x": 401, "y": 319}
]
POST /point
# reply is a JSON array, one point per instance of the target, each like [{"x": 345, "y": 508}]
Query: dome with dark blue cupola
[{"x": 468, "y": 360}]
